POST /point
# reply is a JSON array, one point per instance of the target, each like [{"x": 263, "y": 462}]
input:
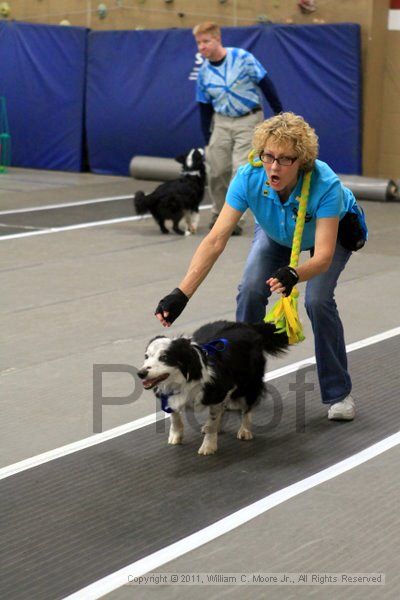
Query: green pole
[{"x": 5, "y": 138}]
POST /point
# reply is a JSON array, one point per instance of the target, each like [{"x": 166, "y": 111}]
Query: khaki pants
[{"x": 229, "y": 146}]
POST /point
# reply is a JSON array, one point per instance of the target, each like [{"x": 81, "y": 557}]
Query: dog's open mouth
[{"x": 150, "y": 383}]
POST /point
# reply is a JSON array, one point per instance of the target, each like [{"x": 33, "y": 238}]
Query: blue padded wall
[
  {"x": 317, "y": 69},
  {"x": 139, "y": 97},
  {"x": 42, "y": 76},
  {"x": 141, "y": 89}
]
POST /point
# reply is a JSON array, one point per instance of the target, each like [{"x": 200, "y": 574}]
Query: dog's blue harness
[
  {"x": 211, "y": 349},
  {"x": 215, "y": 346},
  {"x": 164, "y": 403}
]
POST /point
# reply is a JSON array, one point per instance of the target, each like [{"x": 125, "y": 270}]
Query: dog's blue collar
[
  {"x": 215, "y": 346},
  {"x": 210, "y": 349}
]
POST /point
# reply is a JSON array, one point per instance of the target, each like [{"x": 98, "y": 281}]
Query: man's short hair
[{"x": 207, "y": 27}]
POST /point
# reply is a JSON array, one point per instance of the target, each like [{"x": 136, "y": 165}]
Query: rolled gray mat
[
  {"x": 154, "y": 169},
  {"x": 370, "y": 188}
]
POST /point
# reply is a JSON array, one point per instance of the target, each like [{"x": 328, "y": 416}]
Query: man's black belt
[{"x": 256, "y": 109}]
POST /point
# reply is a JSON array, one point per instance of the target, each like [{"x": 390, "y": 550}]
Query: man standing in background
[{"x": 228, "y": 93}]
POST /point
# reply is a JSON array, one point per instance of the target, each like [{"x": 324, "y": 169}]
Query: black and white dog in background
[
  {"x": 179, "y": 198},
  {"x": 221, "y": 366}
]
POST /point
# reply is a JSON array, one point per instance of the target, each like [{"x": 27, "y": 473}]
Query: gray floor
[
  {"x": 82, "y": 507},
  {"x": 72, "y": 299}
]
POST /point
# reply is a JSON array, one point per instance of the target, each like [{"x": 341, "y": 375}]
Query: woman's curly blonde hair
[{"x": 288, "y": 129}]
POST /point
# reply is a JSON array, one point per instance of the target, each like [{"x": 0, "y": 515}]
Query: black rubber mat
[
  {"x": 77, "y": 519},
  {"x": 21, "y": 222},
  {"x": 9, "y": 230},
  {"x": 69, "y": 215}
]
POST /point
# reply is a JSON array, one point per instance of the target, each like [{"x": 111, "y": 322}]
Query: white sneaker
[{"x": 343, "y": 411}]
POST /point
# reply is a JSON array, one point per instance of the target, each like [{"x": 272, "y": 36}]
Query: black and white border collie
[
  {"x": 177, "y": 199},
  {"x": 221, "y": 366}
]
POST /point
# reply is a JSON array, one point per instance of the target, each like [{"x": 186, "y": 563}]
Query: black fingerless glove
[
  {"x": 288, "y": 278},
  {"x": 173, "y": 304}
]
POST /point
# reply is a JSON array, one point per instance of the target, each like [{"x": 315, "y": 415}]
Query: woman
[{"x": 288, "y": 148}]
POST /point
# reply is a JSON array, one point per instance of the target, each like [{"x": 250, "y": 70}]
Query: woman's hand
[
  {"x": 170, "y": 307},
  {"x": 283, "y": 281}
]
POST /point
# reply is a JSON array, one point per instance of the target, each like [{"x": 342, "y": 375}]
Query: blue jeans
[{"x": 265, "y": 257}]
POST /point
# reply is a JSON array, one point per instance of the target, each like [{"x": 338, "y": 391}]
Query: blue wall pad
[
  {"x": 141, "y": 89},
  {"x": 317, "y": 69},
  {"x": 42, "y": 76}
]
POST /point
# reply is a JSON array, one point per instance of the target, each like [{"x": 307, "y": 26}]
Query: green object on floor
[{"x": 5, "y": 138}]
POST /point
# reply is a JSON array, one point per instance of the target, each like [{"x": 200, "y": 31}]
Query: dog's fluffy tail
[
  {"x": 274, "y": 343},
  {"x": 141, "y": 204}
]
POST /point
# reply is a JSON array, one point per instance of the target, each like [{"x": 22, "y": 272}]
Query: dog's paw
[
  {"x": 206, "y": 449},
  {"x": 175, "y": 438},
  {"x": 209, "y": 445},
  {"x": 188, "y": 232},
  {"x": 244, "y": 434}
]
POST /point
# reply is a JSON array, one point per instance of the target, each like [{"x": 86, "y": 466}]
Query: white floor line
[
  {"x": 7, "y": 226},
  {"x": 99, "y": 438},
  {"x": 374, "y": 339},
  {"x": 81, "y": 226},
  {"x": 70, "y": 204},
  {"x": 71, "y": 227},
  {"x": 203, "y": 536}
]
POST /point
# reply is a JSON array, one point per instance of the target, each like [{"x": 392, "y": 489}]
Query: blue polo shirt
[
  {"x": 231, "y": 87},
  {"x": 328, "y": 198}
]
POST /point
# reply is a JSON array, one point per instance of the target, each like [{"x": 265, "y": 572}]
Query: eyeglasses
[{"x": 284, "y": 161}]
